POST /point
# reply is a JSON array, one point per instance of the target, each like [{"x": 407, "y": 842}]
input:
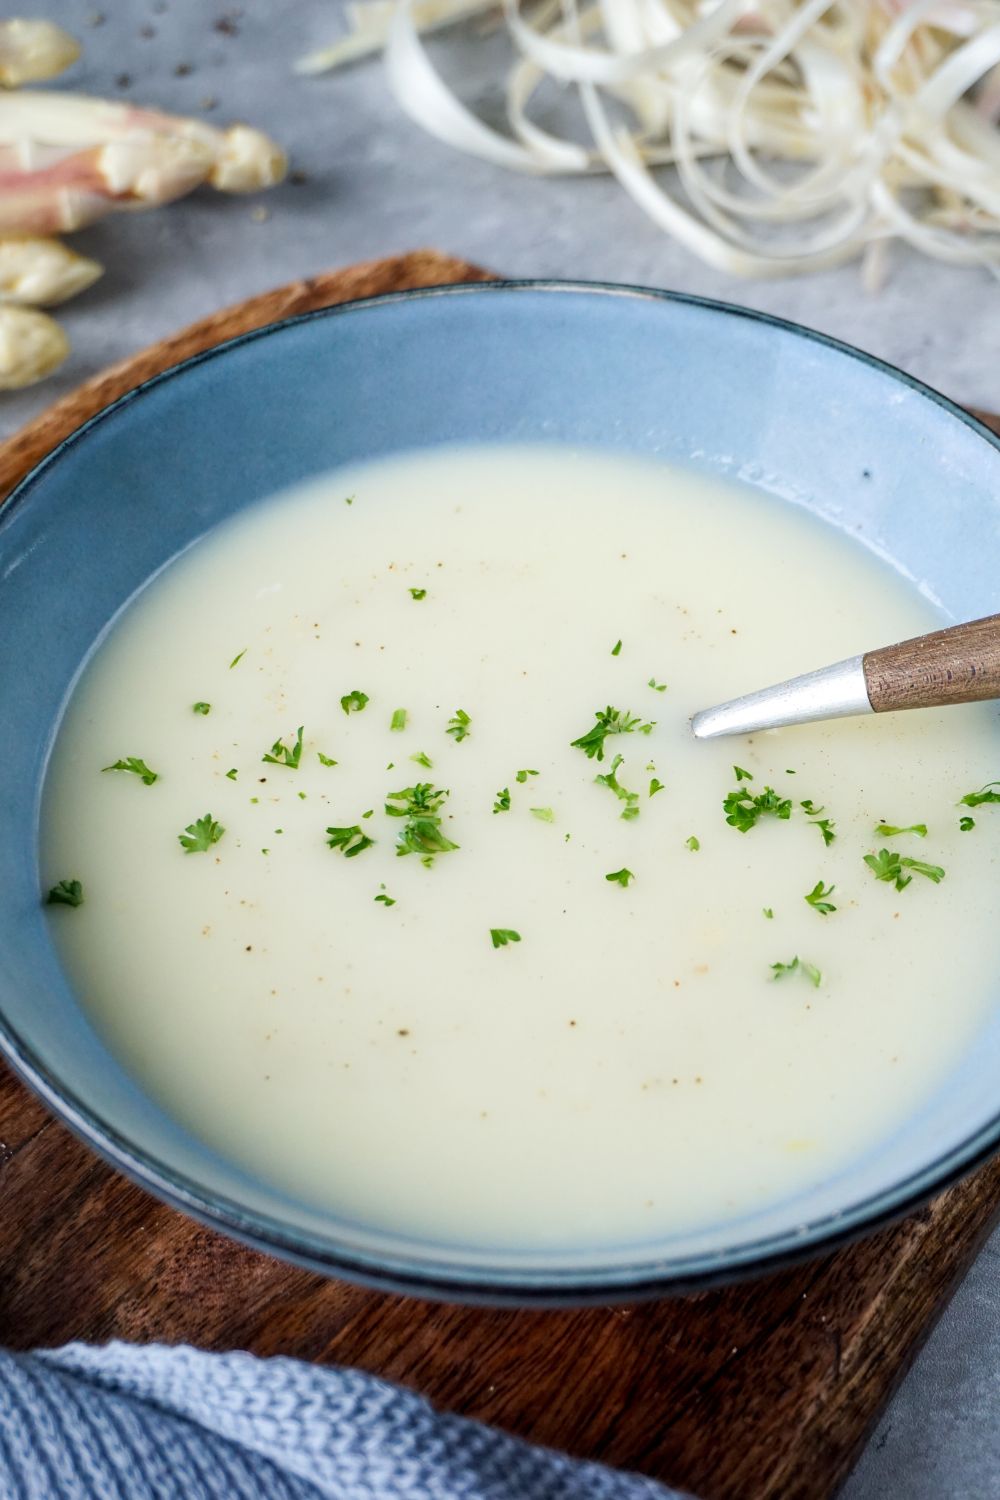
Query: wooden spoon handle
[{"x": 957, "y": 665}]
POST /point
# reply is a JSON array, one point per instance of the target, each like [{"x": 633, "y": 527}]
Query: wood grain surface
[
  {"x": 764, "y": 1391},
  {"x": 957, "y": 665}
]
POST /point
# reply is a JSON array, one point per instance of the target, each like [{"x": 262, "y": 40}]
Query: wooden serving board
[{"x": 753, "y": 1392}]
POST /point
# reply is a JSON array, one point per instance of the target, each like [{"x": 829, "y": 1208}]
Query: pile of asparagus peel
[{"x": 67, "y": 160}]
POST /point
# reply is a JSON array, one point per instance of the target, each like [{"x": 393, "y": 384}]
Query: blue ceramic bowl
[{"x": 727, "y": 391}]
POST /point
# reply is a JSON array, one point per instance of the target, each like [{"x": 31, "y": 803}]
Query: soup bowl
[{"x": 721, "y": 390}]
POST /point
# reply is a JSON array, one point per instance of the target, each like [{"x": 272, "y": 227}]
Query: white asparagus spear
[
  {"x": 32, "y": 345},
  {"x": 33, "y": 50},
  {"x": 66, "y": 159},
  {"x": 36, "y": 271}
]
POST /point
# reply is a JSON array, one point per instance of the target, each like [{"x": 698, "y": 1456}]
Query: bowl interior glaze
[{"x": 716, "y": 388}]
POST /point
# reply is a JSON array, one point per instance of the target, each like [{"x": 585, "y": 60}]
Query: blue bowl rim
[{"x": 404, "y": 1272}]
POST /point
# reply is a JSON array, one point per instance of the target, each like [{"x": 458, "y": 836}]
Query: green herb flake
[
  {"x": 610, "y": 780},
  {"x": 693, "y": 843},
  {"x": 418, "y": 593},
  {"x": 201, "y": 708},
  {"x": 501, "y": 936},
  {"x": 807, "y": 970},
  {"x": 543, "y": 814},
  {"x": 421, "y": 833},
  {"x": 349, "y": 499},
  {"x": 350, "y": 841},
  {"x": 609, "y": 721},
  {"x": 743, "y": 809},
  {"x": 137, "y": 766},
  {"x": 458, "y": 726},
  {"x": 66, "y": 893},
  {"x": 385, "y": 900},
  {"x": 989, "y": 793},
  {"x": 502, "y": 803},
  {"x": 325, "y": 760},
  {"x": 398, "y": 720},
  {"x": 658, "y": 687},
  {"x": 199, "y": 837},
  {"x": 891, "y": 831},
  {"x": 825, "y": 826},
  {"x": 742, "y": 775},
  {"x": 353, "y": 702},
  {"x": 281, "y": 754},
  {"x": 423, "y": 759},
  {"x": 522, "y": 776},
  {"x": 620, "y": 877},
  {"x": 817, "y": 898},
  {"x": 232, "y": 775},
  {"x": 655, "y": 786},
  {"x": 616, "y": 649},
  {"x": 237, "y": 659},
  {"x": 889, "y": 866},
  {"x": 768, "y": 912},
  {"x": 966, "y": 823},
  {"x": 301, "y": 796}
]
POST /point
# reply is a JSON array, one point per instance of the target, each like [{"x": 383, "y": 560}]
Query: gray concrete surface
[{"x": 374, "y": 184}]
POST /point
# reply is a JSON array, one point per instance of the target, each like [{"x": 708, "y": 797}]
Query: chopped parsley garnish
[
  {"x": 616, "y": 649},
  {"x": 693, "y": 843},
  {"x": 890, "y": 866},
  {"x": 137, "y": 766},
  {"x": 281, "y": 754},
  {"x": 825, "y": 825},
  {"x": 385, "y": 900},
  {"x": 620, "y": 877},
  {"x": 418, "y": 593},
  {"x": 421, "y": 833},
  {"x": 325, "y": 760},
  {"x": 502, "y": 803},
  {"x": 458, "y": 726},
  {"x": 398, "y": 720},
  {"x": 658, "y": 687},
  {"x": 655, "y": 786},
  {"x": 501, "y": 936},
  {"x": 350, "y": 841},
  {"x": 890, "y": 830},
  {"x": 199, "y": 837},
  {"x": 817, "y": 898},
  {"x": 743, "y": 809},
  {"x": 544, "y": 814},
  {"x": 201, "y": 708},
  {"x": 522, "y": 776},
  {"x": 742, "y": 775},
  {"x": 237, "y": 659},
  {"x": 232, "y": 775},
  {"x": 610, "y": 780},
  {"x": 353, "y": 702},
  {"x": 987, "y": 794},
  {"x": 810, "y": 971},
  {"x": 966, "y": 823},
  {"x": 348, "y": 499},
  {"x": 66, "y": 893},
  {"x": 423, "y": 759},
  {"x": 609, "y": 721},
  {"x": 768, "y": 912}
]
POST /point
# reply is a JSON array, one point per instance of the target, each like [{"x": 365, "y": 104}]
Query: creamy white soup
[{"x": 439, "y": 960}]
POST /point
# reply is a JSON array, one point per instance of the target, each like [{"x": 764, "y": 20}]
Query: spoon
[{"x": 957, "y": 665}]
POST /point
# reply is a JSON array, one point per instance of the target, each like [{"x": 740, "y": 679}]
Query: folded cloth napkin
[{"x": 130, "y": 1422}]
